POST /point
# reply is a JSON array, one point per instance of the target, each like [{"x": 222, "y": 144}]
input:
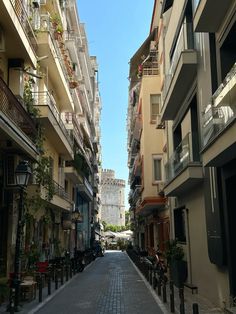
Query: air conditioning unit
[{"x": 2, "y": 41}]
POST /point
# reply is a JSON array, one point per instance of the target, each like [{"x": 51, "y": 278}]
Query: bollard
[
  {"x": 62, "y": 275},
  {"x": 159, "y": 287},
  {"x": 154, "y": 281},
  {"x": 164, "y": 292},
  {"x": 181, "y": 297},
  {"x": 150, "y": 276},
  {"x": 49, "y": 284},
  {"x": 67, "y": 273},
  {"x": 56, "y": 280},
  {"x": 172, "y": 297},
  {"x": 195, "y": 308},
  {"x": 70, "y": 270},
  {"x": 40, "y": 289}
]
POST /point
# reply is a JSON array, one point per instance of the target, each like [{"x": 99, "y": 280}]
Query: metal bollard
[
  {"x": 181, "y": 297},
  {"x": 49, "y": 284},
  {"x": 62, "y": 275},
  {"x": 172, "y": 297},
  {"x": 154, "y": 283},
  {"x": 159, "y": 287},
  {"x": 40, "y": 289},
  {"x": 56, "y": 280},
  {"x": 67, "y": 273},
  {"x": 195, "y": 308},
  {"x": 164, "y": 292},
  {"x": 70, "y": 270}
]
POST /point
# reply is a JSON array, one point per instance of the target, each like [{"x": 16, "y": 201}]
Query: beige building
[
  {"x": 145, "y": 147},
  {"x": 50, "y": 111},
  {"x": 198, "y": 109}
]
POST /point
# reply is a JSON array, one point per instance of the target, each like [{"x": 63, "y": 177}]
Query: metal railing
[
  {"x": 71, "y": 119},
  {"x": 13, "y": 109},
  {"x": 184, "y": 42},
  {"x": 222, "y": 109},
  {"x": 23, "y": 17},
  {"x": 46, "y": 99},
  {"x": 180, "y": 158},
  {"x": 60, "y": 191},
  {"x": 46, "y": 26}
]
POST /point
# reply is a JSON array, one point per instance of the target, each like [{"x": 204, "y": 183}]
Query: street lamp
[
  {"x": 75, "y": 218},
  {"x": 22, "y": 174}
]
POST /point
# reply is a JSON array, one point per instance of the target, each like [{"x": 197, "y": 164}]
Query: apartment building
[
  {"x": 145, "y": 147},
  {"x": 198, "y": 109},
  {"x": 48, "y": 98}
]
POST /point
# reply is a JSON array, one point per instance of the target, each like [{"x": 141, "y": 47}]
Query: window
[
  {"x": 179, "y": 222},
  {"x": 157, "y": 168},
  {"x": 155, "y": 107}
]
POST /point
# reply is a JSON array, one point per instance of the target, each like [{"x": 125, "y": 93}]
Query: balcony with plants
[
  {"x": 181, "y": 72},
  {"x": 183, "y": 170},
  {"x": 50, "y": 118},
  {"x": 51, "y": 44},
  {"x": 219, "y": 116},
  {"x": 17, "y": 122}
]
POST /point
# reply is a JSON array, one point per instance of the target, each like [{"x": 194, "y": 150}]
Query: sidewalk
[{"x": 204, "y": 305}]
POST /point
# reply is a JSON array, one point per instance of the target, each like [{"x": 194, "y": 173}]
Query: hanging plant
[{"x": 28, "y": 97}]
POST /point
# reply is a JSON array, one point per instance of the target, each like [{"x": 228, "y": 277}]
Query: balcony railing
[
  {"x": 184, "y": 42},
  {"x": 222, "y": 109},
  {"x": 46, "y": 26},
  {"x": 13, "y": 109},
  {"x": 45, "y": 99},
  {"x": 71, "y": 119},
  {"x": 180, "y": 158},
  {"x": 23, "y": 17},
  {"x": 60, "y": 191}
]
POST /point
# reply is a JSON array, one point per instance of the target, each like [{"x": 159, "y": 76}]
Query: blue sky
[{"x": 115, "y": 30}]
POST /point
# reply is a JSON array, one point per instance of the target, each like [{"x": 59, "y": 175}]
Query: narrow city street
[{"x": 110, "y": 285}]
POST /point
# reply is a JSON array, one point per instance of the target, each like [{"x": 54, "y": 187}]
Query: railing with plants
[
  {"x": 24, "y": 19},
  {"x": 222, "y": 109},
  {"x": 53, "y": 25},
  {"x": 45, "y": 99},
  {"x": 14, "y": 110}
]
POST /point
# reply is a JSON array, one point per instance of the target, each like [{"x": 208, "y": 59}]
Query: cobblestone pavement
[{"x": 110, "y": 285}]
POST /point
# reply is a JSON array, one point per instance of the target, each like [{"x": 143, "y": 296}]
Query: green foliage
[
  {"x": 28, "y": 98},
  {"x": 115, "y": 228},
  {"x": 81, "y": 165},
  {"x": 173, "y": 252},
  {"x": 44, "y": 176}
]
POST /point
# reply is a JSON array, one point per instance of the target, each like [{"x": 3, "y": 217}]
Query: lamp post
[
  {"x": 75, "y": 218},
  {"x": 22, "y": 174}
]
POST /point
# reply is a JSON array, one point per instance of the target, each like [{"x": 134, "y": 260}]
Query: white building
[{"x": 112, "y": 198}]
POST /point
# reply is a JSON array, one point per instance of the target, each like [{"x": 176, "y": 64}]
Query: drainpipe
[{"x": 188, "y": 246}]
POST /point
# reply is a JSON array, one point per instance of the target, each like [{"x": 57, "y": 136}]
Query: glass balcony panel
[
  {"x": 180, "y": 159},
  {"x": 222, "y": 109},
  {"x": 184, "y": 42}
]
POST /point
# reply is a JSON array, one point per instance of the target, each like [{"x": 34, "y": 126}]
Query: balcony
[
  {"x": 60, "y": 198},
  {"x": 54, "y": 126},
  {"x": 16, "y": 126},
  {"x": 18, "y": 33},
  {"x": 55, "y": 61},
  {"x": 219, "y": 123},
  {"x": 71, "y": 121},
  {"x": 86, "y": 190},
  {"x": 72, "y": 173},
  {"x": 183, "y": 171},
  {"x": 181, "y": 73},
  {"x": 204, "y": 20}
]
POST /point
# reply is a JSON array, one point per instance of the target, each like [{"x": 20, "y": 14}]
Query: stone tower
[{"x": 112, "y": 198}]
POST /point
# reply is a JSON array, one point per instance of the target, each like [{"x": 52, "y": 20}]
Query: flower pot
[{"x": 178, "y": 272}]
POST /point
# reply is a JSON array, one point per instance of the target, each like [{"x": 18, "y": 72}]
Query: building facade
[
  {"x": 112, "y": 198},
  {"x": 198, "y": 108},
  {"x": 48, "y": 99}
]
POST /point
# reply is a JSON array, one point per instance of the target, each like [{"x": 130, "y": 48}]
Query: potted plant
[{"x": 177, "y": 265}]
